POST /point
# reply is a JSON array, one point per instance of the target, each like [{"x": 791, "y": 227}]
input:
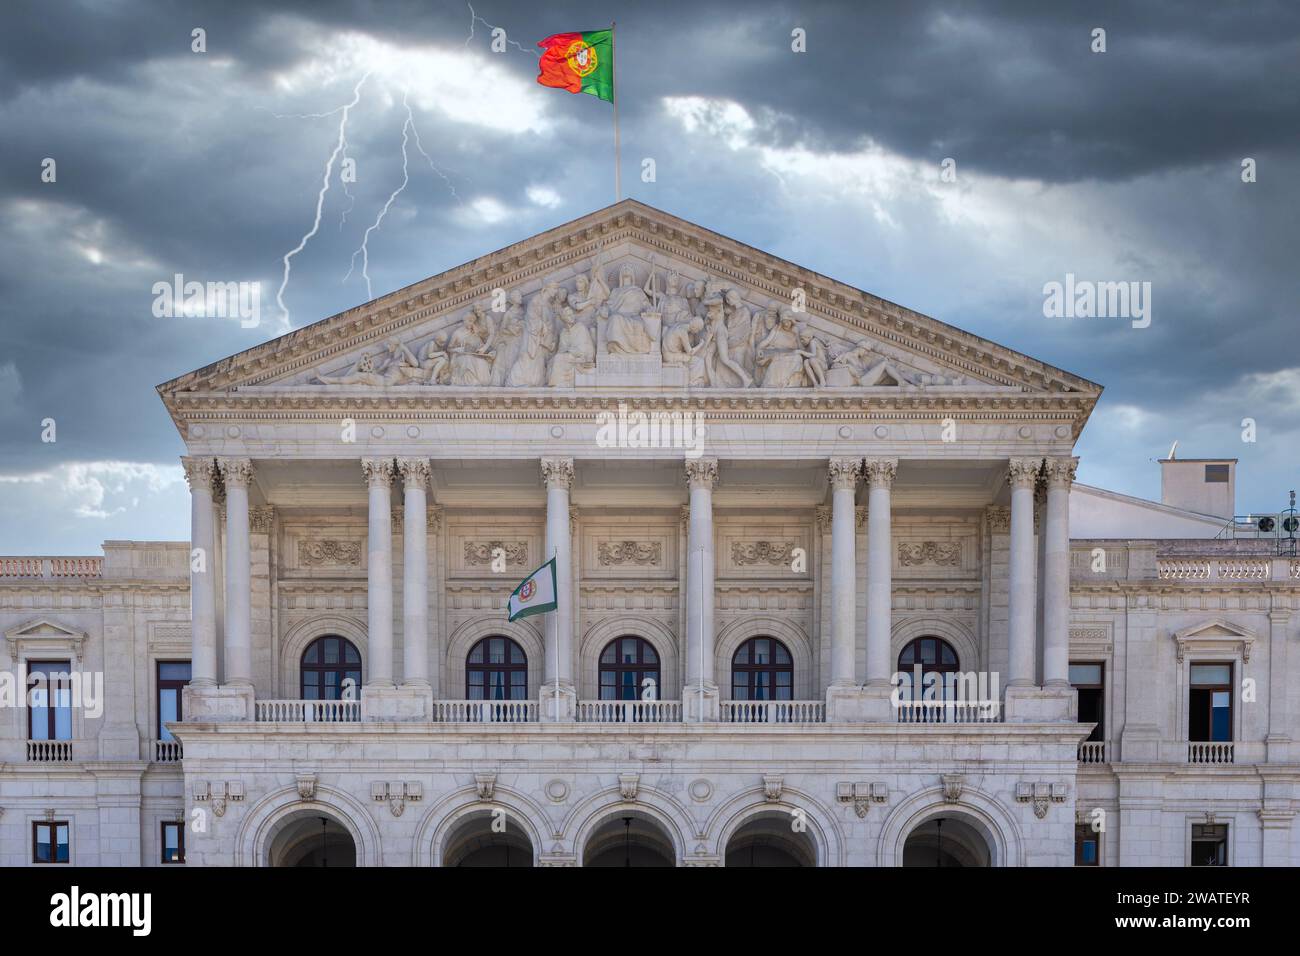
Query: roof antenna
[{"x": 1173, "y": 448}]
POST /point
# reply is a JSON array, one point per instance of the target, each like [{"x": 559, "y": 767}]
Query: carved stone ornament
[
  {"x": 557, "y": 472},
  {"x": 999, "y": 519},
  {"x": 1041, "y": 794},
  {"x": 377, "y": 471},
  {"x": 396, "y": 794},
  {"x": 306, "y": 786},
  {"x": 1060, "y": 471},
  {"x": 218, "y": 793},
  {"x": 486, "y": 784},
  {"x": 762, "y": 552},
  {"x": 236, "y": 472},
  {"x": 880, "y": 472},
  {"x": 773, "y": 784},
  {"x": 629, "y": 552},
  {"x": 844, "y": 473},
  {"x": 942, "y": 553},
  {"x": 862, "y": 795},
  {"x": 323, "y": 552},
  {"x": 199, "y": 472},
  {"x": 701, "y": 472},
  {"x": 261, "y": 519},
  {"x": 952, "y": 785},
  {"x": 1023, "y": 472},
  {"x": 414, "y": 471},
  {"x": 478, "y": 553},
  {"x": 628, "y": 785}
]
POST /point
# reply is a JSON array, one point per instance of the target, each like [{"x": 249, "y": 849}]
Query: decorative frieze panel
[
  {"x": 329, "y": 553},
  {"x": 757, "y": 551},
  {"x": 629, "y": 551},
  {"x": 496, "y": 548},
  {"x": 642, "y": 553},
  {"x": 944, "y": 554},
  {"x": 1041, "y": 794},
  {"x": 779, "y": 553},
  {"x": 482, "y": 553}
]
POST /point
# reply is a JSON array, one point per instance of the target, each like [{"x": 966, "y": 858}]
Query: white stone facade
[{"x": 901, "y": 480}]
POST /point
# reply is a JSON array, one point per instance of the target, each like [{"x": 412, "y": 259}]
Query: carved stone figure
[
  {"x": 740, "y": 330},
  {"x": 779, "y": 354},
  {"x": 625, "y": 331},
  {"x": 509, "y": 332},
  {"x": 539, "y": 341},
  {"x": 863, "y": 365},
  {"x": 678, "y": 346},
  {"x": 816, "y": 359},
  {"x": 591, "y": 294},
  {"x": 719, "y": 354},
  {"x": 363, "y": 373},
  {"x": 576, "y": 351},
  {"x": 673, "y": 305},
  {"x": 471, "y": 349}
]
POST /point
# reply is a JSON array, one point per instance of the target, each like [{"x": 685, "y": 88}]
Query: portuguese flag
[{"x": 579, "y": 63}]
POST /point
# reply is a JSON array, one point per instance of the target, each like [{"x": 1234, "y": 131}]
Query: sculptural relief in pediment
[{"x": 633, "y": 320}]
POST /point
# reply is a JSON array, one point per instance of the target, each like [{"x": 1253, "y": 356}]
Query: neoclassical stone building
[{"x": 766, "y": 494}]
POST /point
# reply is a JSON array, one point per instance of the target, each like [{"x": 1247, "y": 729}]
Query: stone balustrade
[
  {"x": 629, "y": 711},
  {"x": 773, "y": 711},
  {"x": 307, "y": 711},
  {"x": 1092, "y": 751},
  {"x": 948, "y": 712},
  {"x": 1207, "y": 752},
  {"x": 49, "y": 751},
  {"x": 167, "y": 751},
  {"x": 51, "y": 568}
]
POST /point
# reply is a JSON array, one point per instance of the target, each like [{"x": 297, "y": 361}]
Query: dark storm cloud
[{"x": 172, "y": 163}]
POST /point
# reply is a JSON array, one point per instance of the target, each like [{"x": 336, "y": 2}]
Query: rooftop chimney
[{"x": 1206, "y": 486}]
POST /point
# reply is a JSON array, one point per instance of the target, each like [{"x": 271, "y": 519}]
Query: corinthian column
[
  {"x": 1056, "y": 573},
  {"x": 415, "y": 572},
  {"x": 701, "y": 476},
  {"x": 843, "y": 474},
  {"x": 1021, "y": 475},
  {"x": 237, "y": 474},
  {"x": 880, "y": 474},
  {"x": 199, "y": 472},
  {"x": 558, "y": 696},
  {"x": 379, "y": 581}
]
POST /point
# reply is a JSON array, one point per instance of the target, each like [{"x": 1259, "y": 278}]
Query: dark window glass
[
  {"x": 935, "y": 656},
  {"x": 172, "y": 676},
  {"x": 1210, "y": 844},
  {"x": 496, "y": 669},
  {"x": 625, "y": 664},
  {"x": 1087, "y": 845},
  {"x": 1209, "y": 715},
  {"x": 173, "y": 842},
  {"x": 49, "y": 716},
  {"x": 1216, "y": 474},
  {"x": 1089, "y": 681},
  {"x": 326, "y": 664},
  {"x": 50, "y": 841},
  {"x": 762, "y": 669}
]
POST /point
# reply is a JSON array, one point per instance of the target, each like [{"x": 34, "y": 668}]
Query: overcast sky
[{"x": 1117, "y": 166}]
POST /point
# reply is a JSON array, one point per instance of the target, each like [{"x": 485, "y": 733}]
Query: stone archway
[
  {"x": 475, "y": 841},
  {"x": 629, "y": 838},
  {"x": 310, "y": 838},
  {"x": 768, "y": 839},
  {"x": 949, "y": 840}
]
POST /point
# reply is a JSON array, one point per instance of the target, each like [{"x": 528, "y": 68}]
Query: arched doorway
[
  {"x": 948, "y": 840},
  {"x": 629, "y": 838},
  {"x": 479, "y": 841},
  {"x": 771, "y": 839},
  {"x": 311, "y": 839}
]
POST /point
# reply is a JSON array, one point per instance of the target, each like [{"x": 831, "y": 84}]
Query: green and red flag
[{"x": 579, "y": 63}]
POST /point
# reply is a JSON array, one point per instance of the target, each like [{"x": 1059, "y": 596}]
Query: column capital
[
  {"x": 701, "y": 472},
  {"x": 1023, "y": 472},
  {"x": 199, "y": 472},
  {"x": 236, "y": 472},
  {"x": 1060, "y": 471},
  {"x": 414, "y": 471},
  {"x": 558, "y": 472},
  {"x": 378, "y": 472},
  {"x": 844, "y": 473},
  {"x": 260, "y": 519},
  {"x": 880, "y": 472}
]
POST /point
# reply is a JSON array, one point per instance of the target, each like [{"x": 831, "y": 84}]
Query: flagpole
[{"x": 618, "y": 175}]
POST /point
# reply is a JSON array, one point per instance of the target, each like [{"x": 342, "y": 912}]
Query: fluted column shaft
[
  {"x": 844, "y": 473},
  {"x": 237, "y": 474},
  {"x": 379, "y": 580},
  {"x": 701, "y": 476},
  {"x": 415, "y": 571},
  {"x": 1056, "y": 573},
  {"x": 880, "y": 474},
  {"x": 199, "y": 473},
  {"x": 1021, "y": 475},
  {"x": 558, "y": 654}
]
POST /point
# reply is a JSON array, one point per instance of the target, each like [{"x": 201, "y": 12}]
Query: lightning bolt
[
  {"x": 339, "y": 147},
  {"x": 364, "y": 249},
  {"x": 411, "y": 120},
  {"x": 474, "y": 16}
]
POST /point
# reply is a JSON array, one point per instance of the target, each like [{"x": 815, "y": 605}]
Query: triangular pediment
[
  {"x": 632, "y": 297},
  {"x": 1214, "y": 635},
  {"x": 45, "y": 634}
]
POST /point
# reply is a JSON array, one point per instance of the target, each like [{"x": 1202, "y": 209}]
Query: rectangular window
[
  {"x": 50, "y": 841},
  {"x": 172, "y": 676},
  {"x": 1087, "y": 845},
  {"x": 173, "y": 841},
  {"x": 50, "y": 693},
  {"x": 1209, "y": 716},
  {"x": 1090, "y": 681},
  {"x": 1209, "y": 844},
  {"x": 1216, "y": 474}
]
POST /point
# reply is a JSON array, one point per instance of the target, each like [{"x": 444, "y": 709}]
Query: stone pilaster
[
  {"x": 700, "y": 695},
  {"x": 558, "y": 696},
  {"x": 880, "y": 473}
]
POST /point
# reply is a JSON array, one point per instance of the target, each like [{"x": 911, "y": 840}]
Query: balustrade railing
[
  {"x": 773, "y": 711},
  {"x": 307, "y": 711},
  {"x": 630, "y": 711},
  {"x": 1092, "y": 751},
  {"x": 167, "y": 751},
  {"x": 49, "y": 751},
  {"x": 1211, "y": 752},
  {"x": 484, "y": 711},
  {"x": 948, "y": 712},
  {"x": 56, "y": 567}
]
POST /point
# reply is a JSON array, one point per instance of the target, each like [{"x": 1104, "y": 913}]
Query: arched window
[
  {"x": 933, "y": 654},
  {"x": 496, "y": 669},
  {"x": 929, "y": 655},
  {"x": 624, "y": 664},
  {"x": 761, "y": 669},
  {"x": 326, "y": 664}
]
